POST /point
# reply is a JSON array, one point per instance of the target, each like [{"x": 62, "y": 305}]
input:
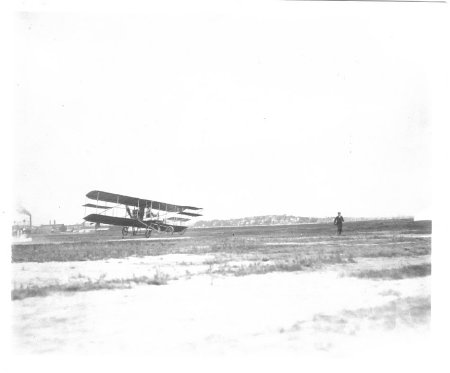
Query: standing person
[{"x": 339, "y": 220}]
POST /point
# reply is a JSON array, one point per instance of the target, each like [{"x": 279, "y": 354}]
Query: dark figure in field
[{"x": 339, "y": 220}]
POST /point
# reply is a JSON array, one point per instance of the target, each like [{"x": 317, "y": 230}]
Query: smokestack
[
  {"x": 22, "y": 210},
  {"x": 31, "y": 225}
]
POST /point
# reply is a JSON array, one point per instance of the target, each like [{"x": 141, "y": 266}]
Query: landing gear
[
  {"x": 124, "y": 231},
  {"x": 148, "y": 232},
  {"x": 170, "y": 230}
]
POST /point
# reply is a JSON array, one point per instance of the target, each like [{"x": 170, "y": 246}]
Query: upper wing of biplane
[{"x": 139, "y": 202}]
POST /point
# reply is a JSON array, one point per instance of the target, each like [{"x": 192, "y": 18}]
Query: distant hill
[{"x": 278, "y": 220}]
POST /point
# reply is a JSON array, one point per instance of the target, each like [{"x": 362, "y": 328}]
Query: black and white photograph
[{"x": 224, "y": 179}]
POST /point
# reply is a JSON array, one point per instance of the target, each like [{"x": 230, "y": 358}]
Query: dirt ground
[
  {"x": 299, "y": 312},
  {"x": 226, "y": 302}
]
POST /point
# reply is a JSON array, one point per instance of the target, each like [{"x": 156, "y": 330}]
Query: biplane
[{"x": 138, "y": 214}]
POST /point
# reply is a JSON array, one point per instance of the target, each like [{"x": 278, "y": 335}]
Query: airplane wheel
[
  {"x": 124, "y": 231},
  {"x": 148, "y": 233},
  {"x": 169, "y": 230}
]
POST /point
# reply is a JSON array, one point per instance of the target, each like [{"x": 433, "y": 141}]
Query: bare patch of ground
[
  {"x": 255, "y": 290},
  {"x": 62, "y": 275},
  {"x": 296, "y": 311}
]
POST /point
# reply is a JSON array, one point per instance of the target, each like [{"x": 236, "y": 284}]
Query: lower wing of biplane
[{"x": 137, "y": 213}]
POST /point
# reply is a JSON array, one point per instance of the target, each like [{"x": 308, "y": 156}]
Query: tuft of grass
[
  {"x": 409, "y": 311},
  {"x": 257, "y": 268},
  {"x": 100, "y": 284},
  {"x": 297, "y": 263},
  {"x": 28, "y": 292},
  {"x": 351, "y": 259},
  {"x": 410, "y": 271}
]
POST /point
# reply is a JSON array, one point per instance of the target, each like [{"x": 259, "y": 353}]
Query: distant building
[
  {"x": 75, "y": 227},
  {"x": 51, "y": 228}
]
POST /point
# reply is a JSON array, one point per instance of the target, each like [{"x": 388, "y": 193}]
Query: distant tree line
[{"x": 274, "y": 220}]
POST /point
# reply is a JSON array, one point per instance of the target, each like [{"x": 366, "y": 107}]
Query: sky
[{"x": 247, "y": 108}]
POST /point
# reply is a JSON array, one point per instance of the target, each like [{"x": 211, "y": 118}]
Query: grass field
[
  {"x": 363, "y": 239},
  {"x": 296, "y": 280}
]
